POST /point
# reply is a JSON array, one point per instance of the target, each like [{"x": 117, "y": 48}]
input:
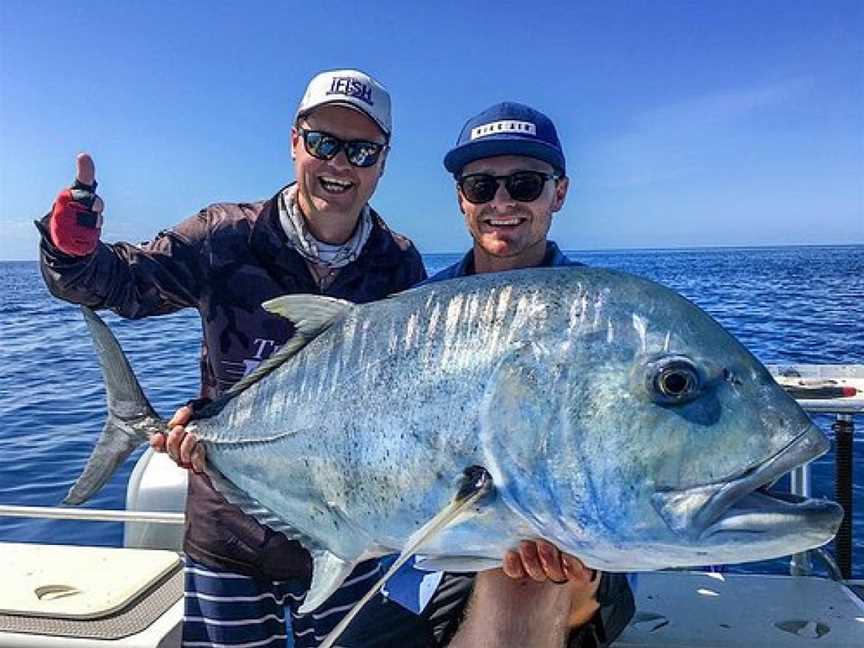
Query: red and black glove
[{"x": 76, "y": 218}]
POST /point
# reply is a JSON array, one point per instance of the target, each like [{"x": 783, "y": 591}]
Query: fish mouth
[
  {"x": 742, "y": 503},
  {"x": 762, "y": 511}
]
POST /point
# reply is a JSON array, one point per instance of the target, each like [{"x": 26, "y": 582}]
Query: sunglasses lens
[
  {"x": 525, "y": 186},
  {"x": 325, "y": 147},
  {"x": 363, "y": 154},
  {"x": 479, "y": 188},
  {"x": 320, "y": 144}
]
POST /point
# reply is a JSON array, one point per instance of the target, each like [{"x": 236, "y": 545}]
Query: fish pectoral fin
[
  {"x": 456, "y": 563},
  {"x": 473, "y": 485},
  {"x": 328, "y": 574}
]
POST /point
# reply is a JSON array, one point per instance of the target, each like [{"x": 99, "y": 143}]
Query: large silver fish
[{"x": 616, "y": 419}]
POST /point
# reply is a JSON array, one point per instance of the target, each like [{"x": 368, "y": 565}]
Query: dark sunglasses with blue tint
[
  {"x": 325, "y": 146},
  {"x": 523, "y": 186}
]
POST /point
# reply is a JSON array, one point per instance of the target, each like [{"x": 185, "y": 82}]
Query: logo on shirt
[
  {"x": 263, "y": 349},
  {"x": 351, "y": 87}
]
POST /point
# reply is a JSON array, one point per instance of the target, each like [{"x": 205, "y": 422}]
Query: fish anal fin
[{"x": 328, "y": 574}]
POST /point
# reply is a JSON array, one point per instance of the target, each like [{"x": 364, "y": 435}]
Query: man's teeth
[
  {"x": 503, "y": 221},
  {"x": 334, "y": 185}
]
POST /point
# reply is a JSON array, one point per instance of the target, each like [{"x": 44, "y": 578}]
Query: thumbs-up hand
[{"x": 76, "y": 218}]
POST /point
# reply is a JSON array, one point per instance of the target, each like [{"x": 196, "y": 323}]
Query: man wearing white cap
[{"x": 316, "y": 235}]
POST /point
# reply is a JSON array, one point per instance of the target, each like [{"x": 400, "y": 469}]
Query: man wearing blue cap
[{"x": 511, "y": 177}]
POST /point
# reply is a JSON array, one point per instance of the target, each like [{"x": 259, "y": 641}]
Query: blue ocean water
[{"x": 786, "y": 304}]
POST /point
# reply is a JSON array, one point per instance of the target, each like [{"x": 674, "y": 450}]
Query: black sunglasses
[
  {"x": 524, "y": 186},
  {"x": 325, "y": 146}
]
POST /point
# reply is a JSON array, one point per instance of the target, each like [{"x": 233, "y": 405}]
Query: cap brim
[
  {"x": 344, "y": 104},
  {"x": 458, "y": 157}
]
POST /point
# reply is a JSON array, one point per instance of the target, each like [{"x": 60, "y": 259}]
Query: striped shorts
[
  {"x": 227, "y": 609},
  {"x": 231, "y": 610}
]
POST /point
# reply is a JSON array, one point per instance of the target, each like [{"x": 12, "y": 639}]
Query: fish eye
[{"x": 674, "y": 381}]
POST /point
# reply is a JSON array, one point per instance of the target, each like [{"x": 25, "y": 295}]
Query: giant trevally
[{"x": 616, "y": 419}]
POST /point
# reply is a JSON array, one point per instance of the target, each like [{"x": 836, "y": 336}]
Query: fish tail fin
[{"x": 131, "y": 418}]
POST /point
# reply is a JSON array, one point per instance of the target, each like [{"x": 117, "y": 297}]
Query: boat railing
[
  {"x": 91, "y": 515},
  {"x": 836, "y": 390}
]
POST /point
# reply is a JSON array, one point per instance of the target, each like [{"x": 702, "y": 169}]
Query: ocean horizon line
[{"x": 679, "y": 248}]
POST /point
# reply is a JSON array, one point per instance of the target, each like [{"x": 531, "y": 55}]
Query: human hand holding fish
[
  {"x": 516, "y": 605},
  {"x": 180, "y": 445},
  {"x": 544, "y": 563}
]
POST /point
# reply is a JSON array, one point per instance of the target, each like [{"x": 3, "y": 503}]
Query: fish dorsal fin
[
  {"x": 311, "y": 315},
  {"x": 328, "y": 574}
]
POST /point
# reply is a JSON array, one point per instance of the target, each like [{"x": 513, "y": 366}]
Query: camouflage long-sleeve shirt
[{"x": 225, "y": 261}]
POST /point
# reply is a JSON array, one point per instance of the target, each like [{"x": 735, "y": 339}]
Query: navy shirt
[{"x": 553, "y": 257}]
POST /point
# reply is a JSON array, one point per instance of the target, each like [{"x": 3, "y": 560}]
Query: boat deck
[
  {"x": 89, "y": 597},
  {"x": 700, "y": 610},
  {"x": 673, "y": 609}
]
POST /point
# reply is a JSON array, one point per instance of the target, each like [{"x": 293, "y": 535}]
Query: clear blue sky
[{"x": 684, "y": 123}]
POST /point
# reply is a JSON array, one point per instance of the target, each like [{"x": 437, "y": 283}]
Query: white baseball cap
[{"x": 350, "y": 88}]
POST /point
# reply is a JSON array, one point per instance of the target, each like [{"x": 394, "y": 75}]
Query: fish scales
[{"x": 405, "y": 457}]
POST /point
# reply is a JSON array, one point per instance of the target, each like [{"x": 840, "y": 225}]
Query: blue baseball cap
[{"x": 507, "y": 128}]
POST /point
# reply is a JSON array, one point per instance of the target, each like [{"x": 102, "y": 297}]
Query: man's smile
[
  {"x": 334, "y": 185},
  {"x": 503, "y": 221}
]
